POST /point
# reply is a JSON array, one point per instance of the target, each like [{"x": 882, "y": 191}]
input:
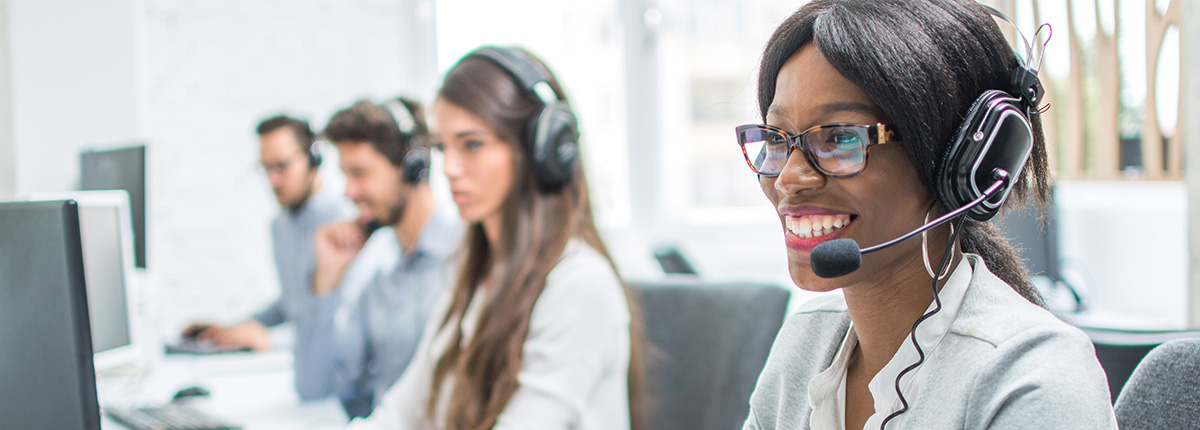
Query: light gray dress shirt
[
  {"x": 292, "y": 244},
  {"x": 292, "y": 235}
]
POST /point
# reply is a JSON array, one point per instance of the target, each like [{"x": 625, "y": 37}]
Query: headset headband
[
  {"x": 522, "y": 68},
  {"x": 401, "y": 115},
  {"x": 1024, "y": 80}
]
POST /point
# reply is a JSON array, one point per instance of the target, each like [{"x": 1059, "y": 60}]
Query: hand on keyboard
[{"x": 202, "y": 347}]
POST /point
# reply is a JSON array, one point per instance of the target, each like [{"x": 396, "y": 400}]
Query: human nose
[
  {"x": 275, "y": 176},
  {"x": 451, "y": 163},
  {"x": 798, "y": 174},
  {"x": 352, "y": 190}
]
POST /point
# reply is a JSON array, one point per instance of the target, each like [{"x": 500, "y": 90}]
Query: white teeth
[{"x": 810, "y": 226}]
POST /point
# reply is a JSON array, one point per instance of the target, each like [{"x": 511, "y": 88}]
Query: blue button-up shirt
[
  {"x": 292, "y": 235},
  {"x": 373, "y": 328},
  {"x": 292, "y": 244}
]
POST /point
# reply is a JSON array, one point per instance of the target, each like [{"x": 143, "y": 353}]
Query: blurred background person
[
  {"x": 290, "y": 161},
  {"x": 540, "y": 331},
  {"x": 401, "y": 242},
  {"x": 291, "y": 164}
]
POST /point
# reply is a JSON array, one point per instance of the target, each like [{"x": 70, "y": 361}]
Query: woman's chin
[
  {"x": 805, "y": 279},
  {"x": 468, "y": 216}
]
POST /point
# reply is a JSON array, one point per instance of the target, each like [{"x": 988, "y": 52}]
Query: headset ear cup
[
  {"x": 995, "y": 134},
  {"x": 416, "y": 165},
  {"x": 552, "y": 140},
  {"x": 314, "y": 156},
  {"x": 949, "y": 169}
]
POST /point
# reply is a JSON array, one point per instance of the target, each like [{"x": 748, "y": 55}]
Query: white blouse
[{"x": 574, "y": 368}]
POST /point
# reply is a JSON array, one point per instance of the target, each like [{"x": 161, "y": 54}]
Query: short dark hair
[
  {"x": 924, "y": 62},
  {"x": 299, "y": 127},
  {"x": 367, "y": 121}
]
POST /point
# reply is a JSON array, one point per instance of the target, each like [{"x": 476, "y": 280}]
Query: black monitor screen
[
  {"x": 46, "y": 376},
  {"x": 672, "y": 261},
  {"x": 120, "y": 169}
]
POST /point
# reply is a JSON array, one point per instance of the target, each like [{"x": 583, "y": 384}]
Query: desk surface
[
  {"x": 1110, "y": 328},
  {"x": 252, "y": 389}
]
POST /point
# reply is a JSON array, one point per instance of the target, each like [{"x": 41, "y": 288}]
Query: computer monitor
[
  {"x": 673, "y": 261},
  {"x": 106, "y": 230},
  {"x": 120, "y": 169},
  {"x": 46, "y": 376}
]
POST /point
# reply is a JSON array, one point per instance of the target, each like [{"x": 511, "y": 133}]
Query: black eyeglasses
[
  {"x": 836, "y": 150},
  {"x": 279, "y": 167}
]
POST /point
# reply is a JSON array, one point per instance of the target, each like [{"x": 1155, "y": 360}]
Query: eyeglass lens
[
  {"x": 837, "y": 150},
  {"x": 280, "y": 166}
]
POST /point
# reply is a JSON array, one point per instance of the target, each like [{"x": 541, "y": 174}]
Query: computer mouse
[{"x": 190, "y": 392}]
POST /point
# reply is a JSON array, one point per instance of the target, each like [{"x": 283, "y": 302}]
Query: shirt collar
[
  {"x": 317, "y": 198},
  {"x": 440, "y": 235},
  {"x": 930, "y": 334},
  {"x": 823, "y": 394}
]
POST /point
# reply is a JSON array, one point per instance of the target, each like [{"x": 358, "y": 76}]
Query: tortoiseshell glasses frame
[{"x": 836, "y": 150}]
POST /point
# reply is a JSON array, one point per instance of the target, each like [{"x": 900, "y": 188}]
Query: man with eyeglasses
[{"x": 290, "y": 164}]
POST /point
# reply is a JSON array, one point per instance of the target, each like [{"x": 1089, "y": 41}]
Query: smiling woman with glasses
[{"x": 878, "y": 117}]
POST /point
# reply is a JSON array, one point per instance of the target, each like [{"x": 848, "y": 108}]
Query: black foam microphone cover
[
  {"x": 838, "y": 257},
  {"x": 372, "y": 225}
]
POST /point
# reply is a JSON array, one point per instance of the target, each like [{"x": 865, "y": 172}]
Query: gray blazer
[{"x": 1006, "y": 363}]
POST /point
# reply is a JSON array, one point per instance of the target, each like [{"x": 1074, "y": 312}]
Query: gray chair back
[
  {"x": 708, "y": 344},
  {"x": 1164, "y": 390}
]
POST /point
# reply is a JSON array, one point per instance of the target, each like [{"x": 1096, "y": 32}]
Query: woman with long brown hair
[{"x": 539, "y": 332}]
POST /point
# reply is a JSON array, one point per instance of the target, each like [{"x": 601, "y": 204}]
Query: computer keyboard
[
  {"x": 193, "y": 346},
  {"x": 170, "y": 417}
]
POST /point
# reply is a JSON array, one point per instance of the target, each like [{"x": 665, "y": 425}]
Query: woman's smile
[{"x": 804, "y": 231}]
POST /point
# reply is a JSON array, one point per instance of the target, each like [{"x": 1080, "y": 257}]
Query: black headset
[
  {"x": 415, "y": 161},
  {"x": 314, "y": 155},
  {"x": 304, "y": 132},
  {"x": 995, "y": 134},
  {"x": 551, "y": 135}
]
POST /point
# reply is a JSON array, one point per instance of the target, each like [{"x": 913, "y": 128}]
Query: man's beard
[
  {"x": 395, "y": 213},
  {"x": 295, "y": 206}
]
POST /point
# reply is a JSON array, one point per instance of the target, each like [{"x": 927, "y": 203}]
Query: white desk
[{"x": 254, "y": 390}]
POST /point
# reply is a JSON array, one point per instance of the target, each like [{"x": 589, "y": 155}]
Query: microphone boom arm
[{"x": 1001, "y": 178}]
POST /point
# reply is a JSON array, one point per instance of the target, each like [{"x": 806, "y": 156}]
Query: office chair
[
  {"x": 708, "y": 344},
  {"x": 1164, "y": 391}
]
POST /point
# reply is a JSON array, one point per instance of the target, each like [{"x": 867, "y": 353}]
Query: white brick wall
[
  {"x": 213, "y": 69},
  {"x": 193, "y": 79},
  {"x": 7, "y": 166}
]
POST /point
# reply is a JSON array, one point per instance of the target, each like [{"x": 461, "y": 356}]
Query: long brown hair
[{"x": 534, "y": 234}]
